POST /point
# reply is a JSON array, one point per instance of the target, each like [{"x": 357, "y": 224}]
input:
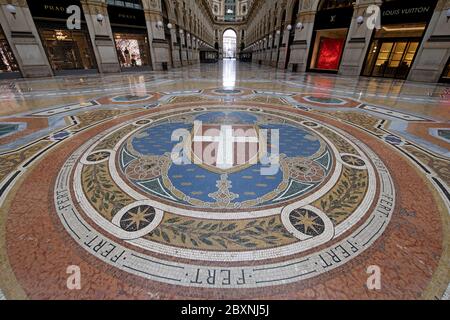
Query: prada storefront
[
  {"x": 394, "y": 46},
  {"x": 130, "y": 34},
  {"x": 8, "y": 64},
  {"x": 66, "y": 49},
  {"x": 331, "y": 26}
]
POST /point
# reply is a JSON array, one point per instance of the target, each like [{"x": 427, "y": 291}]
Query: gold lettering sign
[
  {"x": 127, "y": 16},
  {"x": 54, "y": 8}
]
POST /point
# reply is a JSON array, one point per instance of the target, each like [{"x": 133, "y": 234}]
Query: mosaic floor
[{"x": 226, "y": 181}]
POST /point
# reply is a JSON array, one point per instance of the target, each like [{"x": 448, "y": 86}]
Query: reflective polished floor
[{"x": 228, "y": 180}]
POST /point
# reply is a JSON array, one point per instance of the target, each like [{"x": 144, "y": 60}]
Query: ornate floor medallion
[
  {"x": 268, "y": 194},
  {"x": 127, "y": 197}
]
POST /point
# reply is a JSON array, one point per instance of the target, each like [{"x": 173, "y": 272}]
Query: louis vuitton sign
[
  {"x": 334, "y": 18},
  {"x": 407, "y": 12}
]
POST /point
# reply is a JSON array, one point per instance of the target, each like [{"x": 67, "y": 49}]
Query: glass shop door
[{"x": 391, "y": 59}]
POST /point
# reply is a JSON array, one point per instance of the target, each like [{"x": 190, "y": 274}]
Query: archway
[{"x": 229, "y": 44}]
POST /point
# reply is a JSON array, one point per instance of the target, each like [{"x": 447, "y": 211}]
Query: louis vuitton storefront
[
  {"x": 394, "y": 46},
  {"x": 331, "y": 27},
  {"x": 67, "y": 50}
]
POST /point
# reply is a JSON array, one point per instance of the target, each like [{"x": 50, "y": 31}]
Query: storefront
[
  {"x": 393, "y": 48},
  {"x": 130, "y": 35},
  {"x": 67, "y": 50},
  {"x": 446, "y": 74},
  {"x": 208, "y": 55},
  {"x": 331, "y": 26},
  {"x": 8, "y": 64}
]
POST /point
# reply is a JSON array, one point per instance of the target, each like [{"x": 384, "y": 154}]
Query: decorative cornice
[
  {"x": 439, "y": 38},
  {"x": 22, "y": 34}
]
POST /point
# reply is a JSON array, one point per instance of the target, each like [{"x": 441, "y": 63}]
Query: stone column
[
  {"x": 159, "y": 47},
  {"x": 184, "y": 56},
  {"x": 275, "y": 50},
  {"x": 358, "y": 41},
  {"x": 261, "y": 52},
  {"x": 270, "y": 46},
  {"x": 196, "y": 57},
  {"x": 189, "y": 47},
  {"x": 254, "y": 53},
  {"x": 302, "y": 41},
  {"x": 101, "y": 36},
  {"x": 176, "y": 59},
  {"x": 283, "y": 49},
  {"x": 266, "y": 51},
  {"x": 23, "y": 37},
  {"x": 434, "y": 51}
]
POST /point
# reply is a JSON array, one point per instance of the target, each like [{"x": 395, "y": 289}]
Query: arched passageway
[{"x": 229, "y": 44}]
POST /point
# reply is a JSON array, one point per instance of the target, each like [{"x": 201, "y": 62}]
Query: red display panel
[{"x": 329, "y": 55}]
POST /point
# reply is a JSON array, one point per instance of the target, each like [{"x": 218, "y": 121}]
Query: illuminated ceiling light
[
  {"x": 389, "y": 29},
  {"x": 169, "y": 25},
  {"x": 159, "y": 24},
  {"x": 60, "y": 35},
  {"x": 100, "y": 18},
  {"x": 360, "y": 20},
  {"x": 299, "y": 26},
  {"x": 289, "y": 27}
]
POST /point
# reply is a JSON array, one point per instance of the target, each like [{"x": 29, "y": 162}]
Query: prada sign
[
  {"x": 126, "y": 16},
  {"x": 55, "y": 9},
  {"x": 407, "y": 11}
]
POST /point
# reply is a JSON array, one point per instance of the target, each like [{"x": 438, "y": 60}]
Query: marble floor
[{"x": 224, "y": 181}]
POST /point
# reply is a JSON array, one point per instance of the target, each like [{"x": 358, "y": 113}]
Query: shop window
[
  {"x": 7, "y": 61},
  {"x": 68, "y": 49},
  {"x": 393, "y": 50},
  {"x": 395, "y": 59},
  {"x": 132, "y": 49},
  {"x": 328, "y": 48}
]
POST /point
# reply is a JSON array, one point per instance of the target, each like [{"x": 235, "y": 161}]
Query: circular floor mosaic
[
  {"x": 277, "y": 195},
  {"x": 225, "y": 197}
]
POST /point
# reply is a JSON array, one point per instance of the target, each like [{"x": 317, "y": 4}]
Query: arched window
[
  {"x": 335, "y": 4},
  {"x": 134, "y": 4},
  {"x": 230, "y": 10}
]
